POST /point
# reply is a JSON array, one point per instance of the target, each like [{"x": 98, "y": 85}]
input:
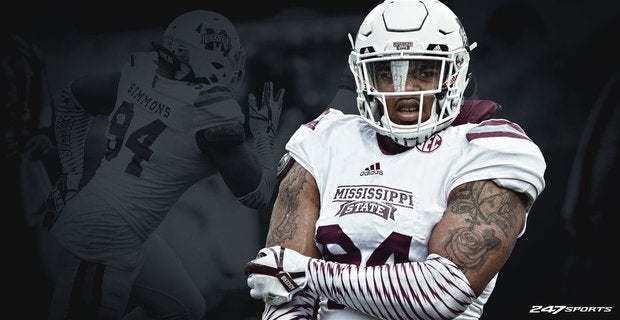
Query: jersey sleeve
[
  {"x": 499, "y": 150},
  {"x": 307, "y": 144}
]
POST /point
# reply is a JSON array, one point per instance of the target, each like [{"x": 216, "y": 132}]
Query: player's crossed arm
[{"x": 467, "y": 248}]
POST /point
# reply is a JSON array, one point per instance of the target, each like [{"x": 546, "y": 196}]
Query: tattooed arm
[
  {"x": 467, "y": 248},
  {"x": 293, "y": 219},
  {"x": 479, "y": 229},
  {"x": 295, "y": 213}
]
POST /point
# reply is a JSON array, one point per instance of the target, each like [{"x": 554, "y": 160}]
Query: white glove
[
  {"x": 277, "y": 275},
  {"x": 264, "y": 119}
]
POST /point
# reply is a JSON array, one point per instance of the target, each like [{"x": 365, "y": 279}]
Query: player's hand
[
  {"x": 56, "y": 201},
  {"x": 277, "y": 275},
  {"x": 265, "y": 117}
]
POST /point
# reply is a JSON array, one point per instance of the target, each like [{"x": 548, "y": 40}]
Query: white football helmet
[
  {"x": 204, "y": 46},
  {"x": 402, "y": 37}
]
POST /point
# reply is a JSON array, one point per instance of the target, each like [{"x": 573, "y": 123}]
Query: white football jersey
[
  {"x": 152, "y": 156},
  {"x": 380, "y": 209}
]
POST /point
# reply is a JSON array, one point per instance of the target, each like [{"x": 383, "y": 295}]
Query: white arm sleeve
[
  {"x": 72, "y": 125},
  {"x": 432, "y": 289}
]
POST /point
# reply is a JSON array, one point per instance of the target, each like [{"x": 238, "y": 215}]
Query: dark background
[{"x": 545, "y": 62}]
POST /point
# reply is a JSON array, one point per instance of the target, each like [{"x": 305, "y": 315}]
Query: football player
[
  {"x": 174, "y": 121},
  {"x": 400, "y": 212}
]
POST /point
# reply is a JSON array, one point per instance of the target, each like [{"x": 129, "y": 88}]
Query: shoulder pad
[
  {"x": 475, "y": 111},
  {"x": 212, "y": 95},
  {"x": 312, "y": 124},
  {"x": 495, "y": 128}
]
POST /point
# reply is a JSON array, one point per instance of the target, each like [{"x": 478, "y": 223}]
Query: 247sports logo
[{"x": 571, "y": 309}]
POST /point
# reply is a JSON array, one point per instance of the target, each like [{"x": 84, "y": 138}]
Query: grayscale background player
[
  {"x": 174, "y": 121},
  {"x": 426, "y": 234}
]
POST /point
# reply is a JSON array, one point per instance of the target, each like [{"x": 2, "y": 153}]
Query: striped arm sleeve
[
  {"x": 72, "y": 125},
  {"x": 300, "y": 308},
  {"x": 432, "y": 289}
]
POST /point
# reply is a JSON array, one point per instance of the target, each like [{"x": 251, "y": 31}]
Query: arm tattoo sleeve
[
  {"x": 490, "y": 216},
  {"x": 287, "y": 203}
]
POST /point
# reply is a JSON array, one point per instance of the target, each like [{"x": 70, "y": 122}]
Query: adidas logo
[{"x": 372, "y": 169}]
